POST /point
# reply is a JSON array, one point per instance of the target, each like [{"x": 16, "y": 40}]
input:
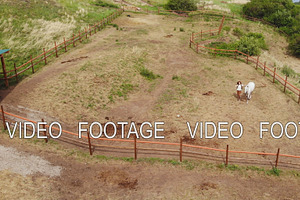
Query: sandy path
[{"x": 26, "y": 164}]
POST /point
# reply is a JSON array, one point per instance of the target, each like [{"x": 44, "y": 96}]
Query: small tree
[{"x": 184, "y": 5}]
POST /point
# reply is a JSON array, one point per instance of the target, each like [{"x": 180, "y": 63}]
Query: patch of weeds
[
  {"x": 115, "y": 25},
  {"x": 274, "y": 171},
  {"x": 85, "y": 66},
  {"x": 175, "y": 77},
  {"x": 288, "y": 71},
  {"x": 254, "y": 168},
  {"x": 183, "y": 92},
  {"x": 101, "y": 157},
  {"x": 189, "y": 165},
  {"x": 227, "y": 28},
  {"x": 127, "y": 159},
  {"x": 238, "y": 32},
  {"x": 233, "y": 167},
  {"x": 174, "y": 28},
  {"x": 181, "y": 29},
  {"x": 173, "y": 162},
  {"x": 121, "y": 91},
  {"x": 149, "y": 75},
  {"x": 151, "y": 160},
  {"x": 295, "y": 173}
]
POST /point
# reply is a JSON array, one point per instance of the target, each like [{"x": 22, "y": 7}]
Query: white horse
[{"x": 249, "y": 89}]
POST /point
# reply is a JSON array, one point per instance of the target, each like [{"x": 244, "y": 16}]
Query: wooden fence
[
  {"x": 145, "y": 148},
  {"x": 236, "y": 54},
  {"x": 61, "y": 47}
]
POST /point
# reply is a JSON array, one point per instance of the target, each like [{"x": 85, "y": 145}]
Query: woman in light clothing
[{"x": 239, "y": 88}]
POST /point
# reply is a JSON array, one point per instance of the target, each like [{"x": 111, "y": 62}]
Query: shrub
[
  {"x": 248, "y": 45},
  {"x": 282, "y": 13},
  {"x": 294, "y": 46},
  {"x": 184, "y": 5},
  {"x": 105, "y": 4},
  {"x": 251, "y": 44},
  {"x": 181, "y": 29}
]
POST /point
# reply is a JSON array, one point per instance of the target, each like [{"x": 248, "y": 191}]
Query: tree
[{"x": 183, "y": 5}]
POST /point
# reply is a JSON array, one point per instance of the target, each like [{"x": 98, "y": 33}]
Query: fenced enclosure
[
  {"x": 59, "y": 48},
  {"x": 197, "y": 38}
]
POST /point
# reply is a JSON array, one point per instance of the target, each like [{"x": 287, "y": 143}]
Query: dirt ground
[
  {"x": 85, "y": 90},
  {"x": 86, "y": 178}
]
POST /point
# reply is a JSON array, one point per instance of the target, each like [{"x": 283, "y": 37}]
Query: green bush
[
  {"x": 248, "y": 45},
  {"x": 105, "y": 4},
  {"x": 251, "y": 44},
  {"x": 282, "y": 13},
  {"x": 294, "y": 45},
  {"x": 183, "y": 5}
]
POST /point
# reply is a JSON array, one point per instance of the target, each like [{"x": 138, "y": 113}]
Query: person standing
[{"x": 239, "y": 88}]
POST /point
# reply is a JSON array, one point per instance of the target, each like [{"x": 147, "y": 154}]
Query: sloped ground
[
  {"x": 91, "y": 178},
  {"x": 108, "y": 84}
]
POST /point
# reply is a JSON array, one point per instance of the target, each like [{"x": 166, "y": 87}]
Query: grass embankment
[{"x": 26, "y": 27}]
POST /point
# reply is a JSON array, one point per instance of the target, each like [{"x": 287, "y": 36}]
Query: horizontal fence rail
[
  {"x": 172, "y": 150},
  {"x": 196, "y": 40},
  {"x": 60, "y": 47}
]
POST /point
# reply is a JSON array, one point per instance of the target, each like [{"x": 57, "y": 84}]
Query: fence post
[
  {"x": 135, "y": 150},
  {"x": 158, "y": 10},
  {"x": 190, "y": 41},
  {"x": 79, "y": 36},
  {"x": 247, "y": 58},
  {"x": 45, "y": 58},
  {"x": 90, "y": 145},
  {"x": 90, "y": 30},
  {"x": 32, "y": 67},
  {"x": 73, "y": 40},
  {"x": 4, "y": 71},
  {"x": 265, "y": 68},
  {"x": 277, "y": 158},
  {"x": 257, "y": 60},
  {"x": 226, "y": 161},
  {"x": 65, "y": 44},
  {"x": 45, "y": 132},
  {"x": 86, "y": 33},
  {"x": 285, "y": 83},
  {"x": 299, "y": 98},
  {"x": 16, "y": 72},
  {"x": 235, "y": 52},
  {"x": 55, "y": 49},
  {"x": 221, "y": 25},
  {"x": 180, "y": 150},
  {"x": 274, "y": 75},
  {"x": 197, "y": 48},
  {"x": 3, "y": 118}
]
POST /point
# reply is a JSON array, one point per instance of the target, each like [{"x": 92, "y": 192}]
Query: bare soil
[{"x": 86, "y": 178}]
